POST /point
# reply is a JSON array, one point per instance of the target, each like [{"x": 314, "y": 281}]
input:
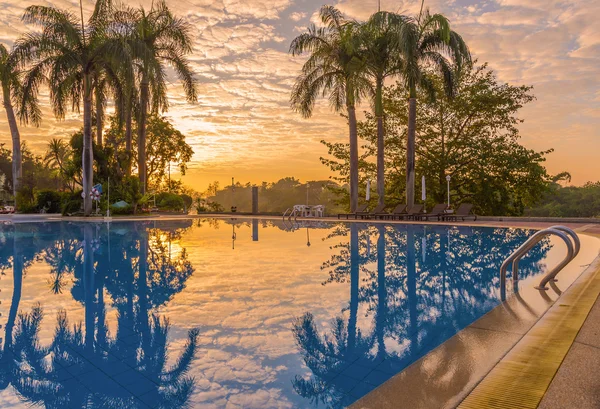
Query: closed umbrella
[{"x": 423, "y": 192}]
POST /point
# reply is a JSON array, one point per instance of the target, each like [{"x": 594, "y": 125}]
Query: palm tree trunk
[
  {"x": 88, "y": 153},
  {"x": 354, "y": 287},
  {"x": 16, "y": 295},
  {"x": 353, "y": 158},
  {"x": 129, "y": 136},
  {"x": 99, "y": 120},
  {"x": 17, "y": 163},
  {"x": 88, "y": 284},
  {"x": 411, "y": 289},
  {"x": 410, "y": 149},
  {"x": 381, "y": 294},
  {"x": 380, "y": 143},
  {"x": 142, "y": 134}
]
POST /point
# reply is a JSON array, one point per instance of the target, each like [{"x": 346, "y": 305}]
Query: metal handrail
[
  {"x": 561, "y": 231},
  {"x": 573, "y": 235}
]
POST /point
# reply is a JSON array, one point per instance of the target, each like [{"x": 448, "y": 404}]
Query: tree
[
  {"x": 473, "y": 137},
  {"x": 335, "y": 68},
  {"x": 12, "y": 93},
  {"x": 58, "y": 156},
  {"x": 427, "y": 43},
  {"x": 156, "y": 38},
  {"x": 379, "y": 37},
  {"x": 166, "y": 145},
  {"x": 67, "y": 55}
]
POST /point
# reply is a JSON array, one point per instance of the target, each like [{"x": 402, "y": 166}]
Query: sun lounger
[
  {"x": 398, "y": 211},
  {"x": 414, "y": 212},
  {"x": 438, "y": 211},
  {"x": 463, "y": 212},
  {"x": 362, "y": 209},
  {"x": 373, "y": 214}
]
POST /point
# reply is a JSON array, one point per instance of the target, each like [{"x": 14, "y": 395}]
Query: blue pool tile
[
  {"x": 344, "y": 383},
  {"x": 377, "y": 377},
  {"x": 141, "y": 387},
  {"x": 361, "y": 389},
  {"x": 357, "y": 371}
]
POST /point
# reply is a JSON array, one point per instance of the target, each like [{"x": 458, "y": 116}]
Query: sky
[{"x": 242, "y": 125}]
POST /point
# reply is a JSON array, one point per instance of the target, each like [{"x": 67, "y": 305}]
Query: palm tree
[
  {"x": 56, "y": 158},
  {"x": 334, "y": 67},
  {"x": 68, "y": 56},
  {"x": 12, "y": 92},
  {"x": 155, "y": 38},
  {"x": 427, "y": 43},
  {"x": 379, "y": 37}
]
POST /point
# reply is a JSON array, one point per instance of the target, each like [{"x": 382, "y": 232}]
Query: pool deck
[{"x": 530, "y": 352}]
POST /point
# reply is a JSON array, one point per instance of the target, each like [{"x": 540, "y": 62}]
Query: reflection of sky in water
[{"x": 281, "y": 324}]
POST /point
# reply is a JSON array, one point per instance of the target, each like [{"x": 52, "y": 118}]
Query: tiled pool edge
[
  {"x": 523, "y": 376},
  {"x": 421, "y": 385}
]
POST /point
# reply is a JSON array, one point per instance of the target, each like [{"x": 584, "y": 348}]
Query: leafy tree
[
  {"x": 570, "y": 201},
  {"x": 473, "y": 137},
  {"x": 335, "y": 67},
  {"x": 166, "y": 145}
]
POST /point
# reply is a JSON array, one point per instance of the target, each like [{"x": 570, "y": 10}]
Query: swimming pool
[{"x": 244, "y": 313}]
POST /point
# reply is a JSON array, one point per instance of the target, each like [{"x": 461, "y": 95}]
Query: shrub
[
  {"x": 51, "y": 200},
  {"x": 72, "y": 203},
  {"x": 169, "y": 201},
  {"x": 215, "y": 207},
  {"x": 115, "y": 211}
]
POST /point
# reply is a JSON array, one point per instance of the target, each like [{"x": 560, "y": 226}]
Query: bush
[
  {"x": 70, "y": 207},
  {"x": 50, "y": 200},
  {"x": 72, "y": 203},
  {"x": 115, "y": 211},
  {"x": 169, "y": 201},
  {"x": 215, "y": 207}
]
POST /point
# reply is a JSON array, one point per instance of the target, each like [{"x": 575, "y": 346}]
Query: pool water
[{"x": 211, "y": 313}]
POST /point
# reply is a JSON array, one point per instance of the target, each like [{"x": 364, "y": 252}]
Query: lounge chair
[
  {"x": 367, "y": 215},
  {"x": 362, "y": 209},
  {"x": 412, "y": 213},
  {"x": 463, "y": 212},
  {"x": 438, "y": 211},
  {"x": 398, "y": 211}
]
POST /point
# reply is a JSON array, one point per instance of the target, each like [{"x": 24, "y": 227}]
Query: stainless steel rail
[{"x": 573, "y": 245}]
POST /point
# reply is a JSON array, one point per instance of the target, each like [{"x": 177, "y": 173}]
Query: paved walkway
[{"x": 577, "y": 382}]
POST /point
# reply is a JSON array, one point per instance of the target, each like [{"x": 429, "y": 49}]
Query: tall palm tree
[
  {"x": 379, "y": 37},
  {"x": 156, "y": 38},
  {"x": 335, "y": 68},
  {"x": 12, "y": 93},
  {"x": 427, "y": 42},
  {"x": 68, "y": 55}
]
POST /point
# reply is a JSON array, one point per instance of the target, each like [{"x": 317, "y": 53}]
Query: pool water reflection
[{"x": 233, "y": 313}]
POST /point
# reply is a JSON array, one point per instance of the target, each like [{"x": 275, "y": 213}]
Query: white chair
[
  {"x": 318, "y": 211},
  {"x": 299, "y": 210}
]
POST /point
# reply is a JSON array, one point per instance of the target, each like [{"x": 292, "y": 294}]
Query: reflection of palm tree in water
[
  {"x": 416, "y": 305},
  {"x": 54, "y": 375},
  {"x": 328, "y": 356}
]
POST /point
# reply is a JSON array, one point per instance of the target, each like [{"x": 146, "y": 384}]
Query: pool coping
[
  {"x": 511, "y": 379},
  {"x": 525, "y": 363}
]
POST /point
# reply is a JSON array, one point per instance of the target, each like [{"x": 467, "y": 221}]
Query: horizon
[{"x": 245, "y": 75}]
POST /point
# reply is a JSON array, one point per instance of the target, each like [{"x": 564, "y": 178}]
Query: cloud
[{"x": 240, "y": 58}]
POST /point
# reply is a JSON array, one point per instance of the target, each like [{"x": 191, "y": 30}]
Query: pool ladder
[{"x": 573, "y": 245}]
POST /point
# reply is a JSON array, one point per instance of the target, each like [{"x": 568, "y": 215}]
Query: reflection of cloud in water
[{"x": 245, "y": 301}]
